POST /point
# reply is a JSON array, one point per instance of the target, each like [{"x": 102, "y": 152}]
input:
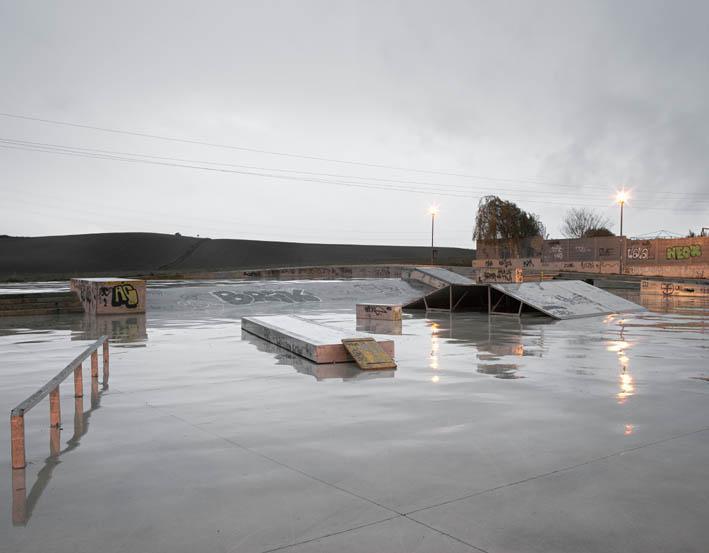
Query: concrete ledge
[
  {"x": 110, "y": 295},
  {"x": 685, "y": 289},
  {"x": 379, "y": 311},
  {"x": 314, "y": 341}
]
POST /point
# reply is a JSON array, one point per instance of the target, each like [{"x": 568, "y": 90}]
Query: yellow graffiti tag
[{"x": 124, "y": 294}]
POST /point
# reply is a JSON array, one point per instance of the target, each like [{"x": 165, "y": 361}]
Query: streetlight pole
[
  {"x": 621, "y": 197},
  {"x": 433, "y": 210}
]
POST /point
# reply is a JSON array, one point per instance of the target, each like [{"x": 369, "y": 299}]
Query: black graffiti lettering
[
  {"x": 376, "y": 309},
  {"x": 234, "y": 298},
  {"x": 255, "y": 296},
  {"x": 302, "y": 295}
]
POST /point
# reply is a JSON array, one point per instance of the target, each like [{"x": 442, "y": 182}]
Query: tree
[
  {"x": 595, "y": 232},
  {"x": 584, "y": 222},
  {"x": 499, "y": 219}
]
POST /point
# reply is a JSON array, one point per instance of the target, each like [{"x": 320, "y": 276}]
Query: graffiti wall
[
  {"x": 677, "y": 257},
  {"x": 110, "y": 296},
  {"x": 681, "y": 257}
]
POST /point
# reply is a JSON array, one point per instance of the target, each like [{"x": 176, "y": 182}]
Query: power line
[
  {"x": 431, "y": 186},
  {"x": 429, "y": 192},
  {"x": 277, "y": 153}
]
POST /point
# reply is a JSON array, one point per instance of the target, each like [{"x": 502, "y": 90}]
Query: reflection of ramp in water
[{"x": 348, "y": 372}]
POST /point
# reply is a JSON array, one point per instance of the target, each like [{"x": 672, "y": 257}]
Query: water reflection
[
  {"x": 348, "y": 372},
  {"x": 433, "y": 356},
  {"x": 620, "y": 347},
  {"x": 497, "y": 341},
  {"x": 121, "y": 329},
  {"x": 374, "y": 326},
  {"x": 23, "y": 503}
]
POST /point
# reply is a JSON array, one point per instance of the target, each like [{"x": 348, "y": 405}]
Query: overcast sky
[{"x": 550, "y": 104}]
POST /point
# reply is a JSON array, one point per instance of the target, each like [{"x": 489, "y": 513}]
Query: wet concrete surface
[{"x": 493, "y": 434}]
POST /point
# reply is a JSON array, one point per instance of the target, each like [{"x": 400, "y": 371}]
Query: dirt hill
[{"x": 137, "y": 253}]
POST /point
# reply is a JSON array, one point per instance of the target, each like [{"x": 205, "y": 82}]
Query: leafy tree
[
  {"x": 583, "y": 222},
  {"x": 499, "y": 219},
  {"x": 594, "y": 232}
]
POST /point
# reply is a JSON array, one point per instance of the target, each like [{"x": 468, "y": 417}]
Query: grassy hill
[{"x": 139, "y": 253}]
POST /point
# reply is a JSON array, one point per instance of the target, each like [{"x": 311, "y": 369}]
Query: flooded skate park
[{"x": 510, "y": 431}]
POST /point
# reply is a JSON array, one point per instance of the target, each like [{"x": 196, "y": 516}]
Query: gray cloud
[{"x": 568, "y": 100}]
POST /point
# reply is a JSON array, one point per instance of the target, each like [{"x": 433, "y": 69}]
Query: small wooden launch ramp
[
  {"x": 561, "y": 299},
  {"x": 368, "y": 354},
  {"x": 312, "y": 340}
]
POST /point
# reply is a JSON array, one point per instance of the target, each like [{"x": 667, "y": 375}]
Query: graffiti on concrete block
[
  {"x": 377, "y": 309},
  {"x": 254, "y": 296},
  {"x": 120, "y": 295},
  {"x": 684, "y": 252}
]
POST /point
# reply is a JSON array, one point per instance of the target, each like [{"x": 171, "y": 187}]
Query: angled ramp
[
  {"x": 561, "y": 299},
  {"x": 449, "y": 291},
  {"x": 438, "y": 277}
]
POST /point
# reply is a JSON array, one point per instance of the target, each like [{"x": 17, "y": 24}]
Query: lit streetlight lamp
[
  {"x": 433, "y": 210},
  {"x": 621, "y": 197}
]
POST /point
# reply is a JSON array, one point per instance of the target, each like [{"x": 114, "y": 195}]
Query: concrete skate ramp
[
  {"x": 234, "y": 299},
  {"x": 448, "y": 291},
  {"x": 562, "y": 299},
  {"x": 438, "y": 277}
]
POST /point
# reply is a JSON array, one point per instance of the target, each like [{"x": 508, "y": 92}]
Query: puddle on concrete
[{"x": 618, "y": 377}]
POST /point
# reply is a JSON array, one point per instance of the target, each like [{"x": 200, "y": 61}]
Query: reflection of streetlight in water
[
  {"x": 433, "y": 359},
  {"x": 626, "y": 382}
]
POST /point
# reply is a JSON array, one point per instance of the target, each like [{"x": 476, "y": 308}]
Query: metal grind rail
[{"x": 51, "y": 389}]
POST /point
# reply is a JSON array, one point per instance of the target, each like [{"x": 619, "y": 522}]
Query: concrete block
[
  {"x": 312, "y": 340},
  {"x": 379, "y": 311},
  {"x": 110, "y": 295},
  {"x": 667, "y": 289}
]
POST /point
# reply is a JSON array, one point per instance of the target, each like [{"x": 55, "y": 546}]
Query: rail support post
[
  {"x": 17, "y": 433},
  {"x": 78, "y": 381},
  {"x": 55, "y": 435},
  {"x": 79, "y": 416},
  {"x": 94, "y": 364},
  {"x": 55, "y": 414},
  {"x": 105, "y": 361},
  {"x": 19, "y": 497}
]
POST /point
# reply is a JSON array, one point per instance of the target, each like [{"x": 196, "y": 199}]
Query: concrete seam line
[
  {"x": 446, "y": 534},
  {"x": 295, "y": 544},
  {"x": 556, "y": 471},
  {"x": 277, "y": 462}
]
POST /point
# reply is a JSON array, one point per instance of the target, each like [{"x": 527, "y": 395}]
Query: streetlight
[
  {"x": 433, "y": 210},
  {"x": 621, "y": 197}
]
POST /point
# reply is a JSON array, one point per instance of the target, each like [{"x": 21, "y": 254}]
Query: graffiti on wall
[
  {"x": 120, "y": 295},
  {"x": 254, "y": 296},
  {"x": 679, "y": 253}
]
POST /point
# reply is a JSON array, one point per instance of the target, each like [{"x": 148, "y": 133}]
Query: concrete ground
[{"x": 494, "y": 435}]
